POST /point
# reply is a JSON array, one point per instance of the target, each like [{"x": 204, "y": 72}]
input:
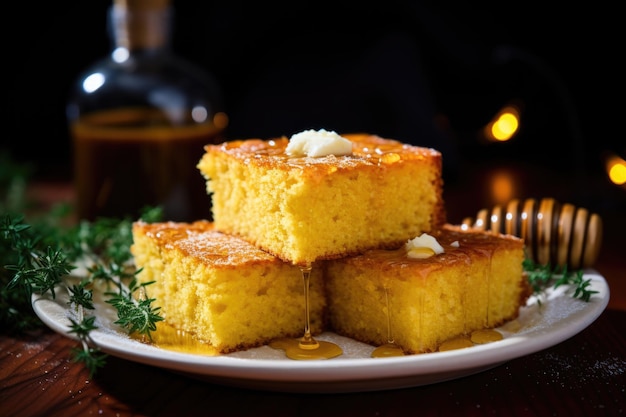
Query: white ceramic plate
[{"x": 558, "y": 317}]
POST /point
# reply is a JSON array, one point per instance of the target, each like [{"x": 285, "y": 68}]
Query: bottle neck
[{"x": 139, "y": 28}]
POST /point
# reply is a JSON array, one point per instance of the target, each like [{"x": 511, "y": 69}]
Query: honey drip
[
  {"x": 170, "y": 338},
  {"x": 480, "y": 337},
  {"x": 477, "y": 337},
  {"x": 460, "y": 342},
  {"x": 390, "y": 348},
  {"x": 307, "y": 347}
]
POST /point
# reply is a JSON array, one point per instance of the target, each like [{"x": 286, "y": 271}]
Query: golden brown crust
[
  {"x": 201, "y": 241},
  {"x": 367, "y": 150},
  {"x": 459, "y": 246}
]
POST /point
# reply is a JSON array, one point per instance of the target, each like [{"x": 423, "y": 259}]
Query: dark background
[{"x": 428, "y": 74}]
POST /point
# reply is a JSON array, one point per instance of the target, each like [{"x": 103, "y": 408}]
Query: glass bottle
[{"x": 139, "y": 119}]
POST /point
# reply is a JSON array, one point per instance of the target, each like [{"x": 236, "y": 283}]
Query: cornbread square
[
  {"x": 303, "y": 209},
  {"x": 474, "y": 284},
  {"x": 220, "y": 288}
]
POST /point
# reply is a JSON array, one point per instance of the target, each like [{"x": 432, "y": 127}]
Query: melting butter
[
  {"x": 423, "y": 246},
  {"x": 316, "y": 143}
]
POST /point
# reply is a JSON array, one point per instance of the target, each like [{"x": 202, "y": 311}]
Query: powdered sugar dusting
[{"x": 565, "y": 368}]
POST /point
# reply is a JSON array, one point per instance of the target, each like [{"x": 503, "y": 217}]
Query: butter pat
[
  {"x": 423, "y": 246},
  {"x": 315, "y": 143}
]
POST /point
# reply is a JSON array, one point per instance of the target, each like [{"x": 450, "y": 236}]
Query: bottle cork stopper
[
  {"x": 141, "y": 24},
  {"x": 142, "y": 4}
]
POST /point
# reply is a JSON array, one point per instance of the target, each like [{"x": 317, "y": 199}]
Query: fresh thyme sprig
[
  {"x": 543, "y": 276},
  {"x": 135, "y": 313},
  {"x": 29, "y": 269},
  {"x": 38, "y": 267}
]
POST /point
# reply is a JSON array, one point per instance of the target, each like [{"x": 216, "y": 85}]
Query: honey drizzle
[
  {"x": 307, "y": 342},
  {"x": 390, "y": 348},
  {"x": 307, "y": 347},
  {"x": 477, "y": 337}
]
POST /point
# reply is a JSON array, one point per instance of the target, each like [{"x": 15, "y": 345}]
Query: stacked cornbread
[
  {"x": 475, "y": 282},
  {"x": 351, "y": 207},
  {"x": 222, "y": 289},
  {"x": 373, "y": 193}
]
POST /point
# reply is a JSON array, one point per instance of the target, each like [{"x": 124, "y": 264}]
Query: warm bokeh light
[
  {"x": 504, "y": 125},
  {"x": 616, "y": 169},
  {"x": 502, "y": 186}
]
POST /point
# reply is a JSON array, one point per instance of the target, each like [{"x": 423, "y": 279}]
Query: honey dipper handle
[{"x": 559, "y": 234}]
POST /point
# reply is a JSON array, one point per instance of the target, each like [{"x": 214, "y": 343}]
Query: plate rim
[{"x": 356, "y": 374}]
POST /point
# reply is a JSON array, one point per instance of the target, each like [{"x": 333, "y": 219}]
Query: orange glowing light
[
  {"x": 616, "y": 169},
  {"x": 504, "y": 125},
  {"x": 502, "y": 187}
]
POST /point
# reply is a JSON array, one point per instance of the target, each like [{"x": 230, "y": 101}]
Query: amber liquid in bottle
[{"x": 127, "y": 159}]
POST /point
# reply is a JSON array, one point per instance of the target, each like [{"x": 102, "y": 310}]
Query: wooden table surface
[{"x": 582, "y": 376}]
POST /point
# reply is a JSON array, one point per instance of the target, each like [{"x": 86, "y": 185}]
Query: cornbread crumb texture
[
  {"x": 477, "y": 284},
  {"x": 304, "y": 209},
  {"x": 220, "y": 288},
  {"x": 235, "y": 296}
]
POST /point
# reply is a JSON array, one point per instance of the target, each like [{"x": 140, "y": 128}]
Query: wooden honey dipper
[{"x": 559, "y": 234}]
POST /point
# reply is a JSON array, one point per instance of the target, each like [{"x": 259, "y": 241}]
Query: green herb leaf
[
  {"x": 135, "y": 313},
  {"x": 542, "y": 277}
]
